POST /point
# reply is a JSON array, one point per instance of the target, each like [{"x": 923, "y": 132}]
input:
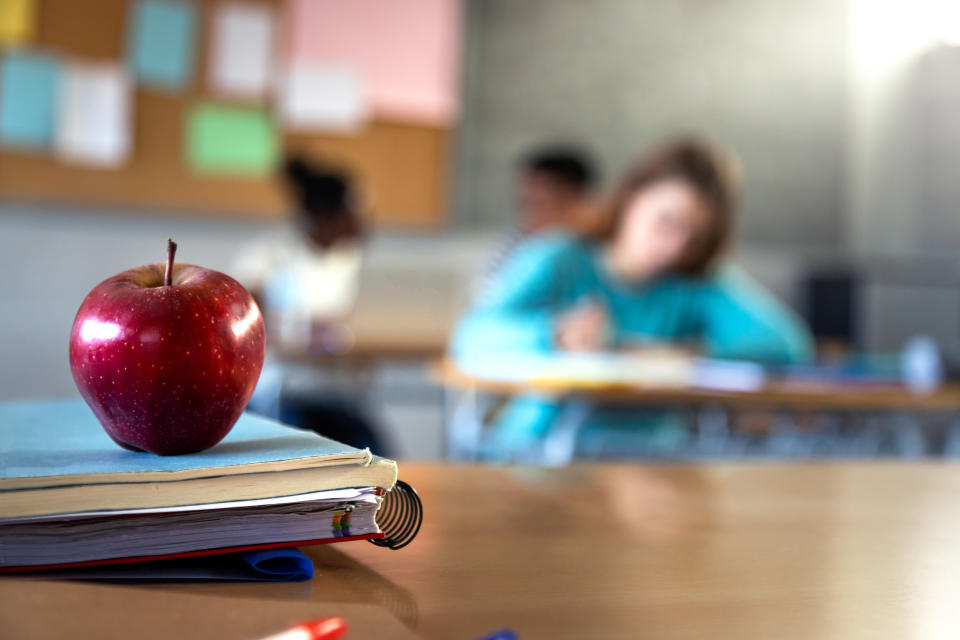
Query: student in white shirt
[{"x": 305, "y": 277}]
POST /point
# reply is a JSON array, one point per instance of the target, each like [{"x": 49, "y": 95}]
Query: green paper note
[{"x": 230, "y": 140}]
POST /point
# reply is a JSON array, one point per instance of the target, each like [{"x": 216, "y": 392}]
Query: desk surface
[
  {"x": 787, "y": 395},
  {"x": 843, "y": 551},
  {"x": 372, "y": 345}
]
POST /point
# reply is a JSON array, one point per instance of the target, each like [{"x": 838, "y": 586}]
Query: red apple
[{"x": 167, "y": 355}]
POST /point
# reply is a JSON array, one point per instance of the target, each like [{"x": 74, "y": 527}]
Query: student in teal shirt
[{"x": 649, "y": 276}]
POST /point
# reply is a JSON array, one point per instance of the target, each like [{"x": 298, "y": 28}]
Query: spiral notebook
[{"x": 71, "y": 497}]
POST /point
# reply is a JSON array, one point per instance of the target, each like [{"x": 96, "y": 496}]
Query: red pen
[{"x": 323, "y": 629}]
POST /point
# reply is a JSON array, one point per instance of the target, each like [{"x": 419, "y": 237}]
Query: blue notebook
[
  {"x": 56, "y": 458},
  {"x": 29, "y": 429}
]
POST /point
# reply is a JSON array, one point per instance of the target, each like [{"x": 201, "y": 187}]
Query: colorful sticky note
[
  {"x": 406, "y": 52},
  {"x": 94, "y": 116},
  {"x": 16, "y": 21},
  {"x": 321, "y": 97},
  {"x": 28, "y": 97},
  {"x": 231, "y": 140},
  {"x": 162, "y": 42},
  {"x": 241, "y": 49}
]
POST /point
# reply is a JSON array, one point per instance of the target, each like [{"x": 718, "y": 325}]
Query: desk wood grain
[{"x": 824, "y": 551}]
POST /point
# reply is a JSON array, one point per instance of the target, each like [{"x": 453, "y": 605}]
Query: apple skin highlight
[{"x": 167, "y": 368}]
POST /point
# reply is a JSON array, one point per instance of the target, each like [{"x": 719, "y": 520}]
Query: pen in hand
[{"x": 585, "y": 327}]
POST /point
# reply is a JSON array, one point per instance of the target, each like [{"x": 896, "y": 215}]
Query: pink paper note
[{"x": 407, "y": 52}]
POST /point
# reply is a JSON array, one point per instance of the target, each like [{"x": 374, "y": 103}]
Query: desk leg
[
  {"x": 463, "y": 423},
  {"x": 713, "y": 431},
  {"x": 560, "y": 445},
  {"x": 909, "y": 436},
  {"x": 951, "y": 444}
]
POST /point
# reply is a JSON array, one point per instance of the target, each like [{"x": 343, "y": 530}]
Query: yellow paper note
[{"x": 16, "y": 21}]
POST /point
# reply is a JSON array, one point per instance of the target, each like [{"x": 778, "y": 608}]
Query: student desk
[
  {"x": 371, "y": 346},
  {"x": 826, "y": 551},
  {"x": 353, "y": 377},
  {"x": 468, "y": 400}
]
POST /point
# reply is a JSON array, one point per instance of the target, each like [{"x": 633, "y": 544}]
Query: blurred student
[
  {"x": 305, "y": 277},
  {"x": 652, "y": 274},
  {"x": 553, "y": 191},
  {"x": 306, "y": 274}
]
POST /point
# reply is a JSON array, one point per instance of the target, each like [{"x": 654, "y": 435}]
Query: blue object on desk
[
  {"x": 270, "y": 565},
  {"x": 859, "y": 369},
  {"x": 288, "y": 565},
  {"x": 504, "y": 634}
]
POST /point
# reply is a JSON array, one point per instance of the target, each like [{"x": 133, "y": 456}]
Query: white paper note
[
  {"x": 242, "y": 49},
  {"x": 93, "y": 124},
  {"x": 318, "y": 96}
]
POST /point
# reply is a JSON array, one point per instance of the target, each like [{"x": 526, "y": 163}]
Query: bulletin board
[{"x": 402, "y": 167}]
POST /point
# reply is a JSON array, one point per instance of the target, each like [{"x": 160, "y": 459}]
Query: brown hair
[{"x": 712, "y": 173}]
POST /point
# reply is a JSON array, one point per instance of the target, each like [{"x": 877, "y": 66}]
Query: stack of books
[{"x": 70, "y": 497}]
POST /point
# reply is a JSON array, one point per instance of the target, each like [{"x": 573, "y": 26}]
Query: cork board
[{"x": 400, "y": 167}]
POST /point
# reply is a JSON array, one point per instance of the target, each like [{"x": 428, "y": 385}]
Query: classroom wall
[
  {"x": 767, "y": 78},
  {"x": 904, "y": 133}
]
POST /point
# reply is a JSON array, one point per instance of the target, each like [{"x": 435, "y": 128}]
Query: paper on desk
[
  {"x": 586, "y": 370},
  {"x": 29, "y": 84},
  {"x": 93, "y": 125},
  {"x": 16, "y": 21},
  {"x": 353, "y": 495},
  {"x": 242, "y": 49},
  {"x": 322, "y": 97}
]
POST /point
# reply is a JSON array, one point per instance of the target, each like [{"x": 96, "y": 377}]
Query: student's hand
[{"x": 583, "y": 329}]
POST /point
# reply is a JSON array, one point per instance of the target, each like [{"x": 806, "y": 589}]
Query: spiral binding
[{"x": 399, "y": 517}]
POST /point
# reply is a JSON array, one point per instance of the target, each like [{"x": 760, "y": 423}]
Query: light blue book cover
[
  {"x": 28, "y": 99},
  {"x": 162, "y": 42},
  {"x": 63, "y": 437}
]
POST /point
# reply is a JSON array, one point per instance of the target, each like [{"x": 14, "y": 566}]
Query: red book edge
[{"x": 188, "y": 554}]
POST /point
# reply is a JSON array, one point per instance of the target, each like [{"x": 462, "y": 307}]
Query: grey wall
[
  {"x": 906, "y": 202},
  {"x": 49, "y": 261},
  {"x": 766, "y": 78}
]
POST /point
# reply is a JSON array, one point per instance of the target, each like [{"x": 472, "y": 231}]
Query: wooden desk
[
  {"x": 787, "y": 395},
  {"x": 371, "y": 349},
  {"x": 844, "y": 551},
  {"x": 373, "y": 337},
  {"x": 887, "y": 411}
]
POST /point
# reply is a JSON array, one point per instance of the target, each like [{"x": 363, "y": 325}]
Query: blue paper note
[
  {"x": 28, "y": 99},
  {"x": 162, "y": 43}
]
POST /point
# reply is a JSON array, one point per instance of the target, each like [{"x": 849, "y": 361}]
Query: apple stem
[{"x": 168, "y": 272}]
